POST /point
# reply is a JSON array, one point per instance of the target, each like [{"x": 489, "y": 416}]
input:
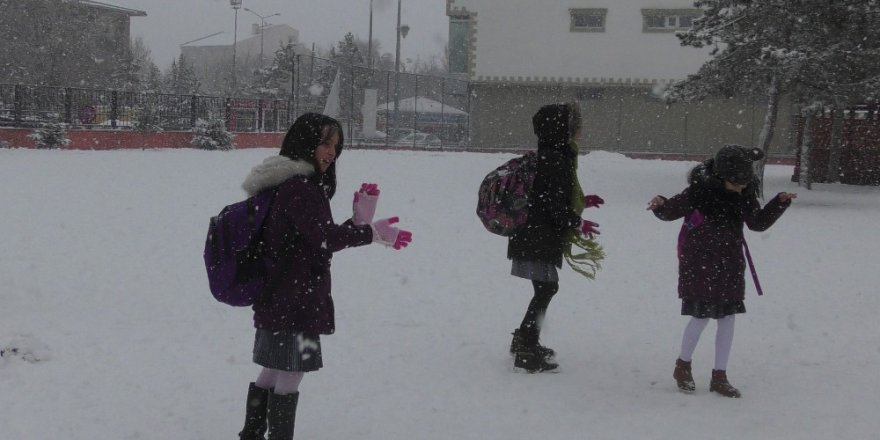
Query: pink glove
[
  {"x": 388, "y": 235},
  {"x": 593, "y": 201},
  {"x": 364, "y": 204},
  {"x": 588, "y": 228}
]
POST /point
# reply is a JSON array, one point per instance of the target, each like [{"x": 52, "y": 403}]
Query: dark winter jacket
[
  {"x": 712, "y": 266},
  {"x": 300, "y": 237},
  {"x": 551, "y": 216}
]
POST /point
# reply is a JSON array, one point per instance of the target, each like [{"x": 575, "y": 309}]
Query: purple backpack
[
  {"x": 232, "y": 251},
  {"x": 503, "y": 199}
]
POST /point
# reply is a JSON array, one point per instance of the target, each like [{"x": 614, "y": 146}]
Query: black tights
[{"x": 544, "y": 292}]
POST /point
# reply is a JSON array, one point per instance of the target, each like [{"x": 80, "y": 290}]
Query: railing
[{"x": 435, "y": 106}]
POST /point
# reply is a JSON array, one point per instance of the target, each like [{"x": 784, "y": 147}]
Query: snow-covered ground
[{"x": 104, "y": 296}]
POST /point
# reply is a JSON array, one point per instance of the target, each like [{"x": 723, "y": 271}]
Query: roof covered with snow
[
  {"x": 422, "y": 105},
  {"x": 107, "y": 6}
]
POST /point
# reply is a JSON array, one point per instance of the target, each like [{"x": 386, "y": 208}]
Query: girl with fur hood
[
  {"x": 299, "y": 238},
  {"x": 555, "y": 207},
  {"x": 720, "y": 199}
]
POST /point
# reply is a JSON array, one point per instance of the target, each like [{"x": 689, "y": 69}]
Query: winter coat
[
  {"x": 711, "y": 266},
  {"x": 299, "y": 238},
  {"x": 545, "y": 234}
]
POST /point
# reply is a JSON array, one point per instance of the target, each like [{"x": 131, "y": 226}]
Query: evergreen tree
[
  {"x": 212, "y": 135},
  {"x": 347, "y": 51},
  {"x": 146, "y": 117},
  {"x": 181, "y": 78},
  {"x": 50, "y": 135},
  {"x": 773, "y": 48},
  {"x": 273, "y": 81}
]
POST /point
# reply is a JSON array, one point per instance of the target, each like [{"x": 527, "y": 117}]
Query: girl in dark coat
[
  {"x": 537, "y": 249},
  {"x": 721, "y": 197},
  {"x": 299, "y": 238}
]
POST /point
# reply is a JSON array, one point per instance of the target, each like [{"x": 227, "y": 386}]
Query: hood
[{"x": 273, "y": 171}]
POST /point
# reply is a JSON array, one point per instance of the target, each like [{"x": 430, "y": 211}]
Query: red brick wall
[{"x": 117, "y": 139}]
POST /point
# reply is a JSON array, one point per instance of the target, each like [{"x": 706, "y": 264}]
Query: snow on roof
[
  {"x": 107, "y": 6},
  {"x": 423, "y": 105}
]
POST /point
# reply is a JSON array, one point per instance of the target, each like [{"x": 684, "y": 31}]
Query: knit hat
[{"x": 733, "y": 163}]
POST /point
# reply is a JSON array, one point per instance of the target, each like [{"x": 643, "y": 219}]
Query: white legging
[
  {"x": 723, "y": 339},
  {"x": 281, "y": 382}
]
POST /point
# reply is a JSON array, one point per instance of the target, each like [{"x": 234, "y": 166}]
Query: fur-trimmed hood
[{"x": 273, "y": 171}]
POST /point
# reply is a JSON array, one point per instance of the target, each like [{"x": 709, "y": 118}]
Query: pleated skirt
[
  {"x": 287, "y": 351},
  {"x": 534, "y": 270}
]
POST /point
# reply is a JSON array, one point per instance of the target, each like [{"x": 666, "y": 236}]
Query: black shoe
[
  {"x": 522, "y": 343},
  {"x": 533, "y": 363}
]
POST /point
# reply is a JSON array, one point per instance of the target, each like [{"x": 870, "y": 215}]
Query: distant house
[
  {"x": 74, "y": 43},
  {"x": 614, "y": 57},
  {"x": 211, "y": 56}
]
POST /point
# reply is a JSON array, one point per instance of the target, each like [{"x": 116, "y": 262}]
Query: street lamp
[
  {"x": 370, "y": 42},
  {"x": 236, "y": 5},
  {"x": 262, "y": 27},
  {"x": 401, "y": 32}
]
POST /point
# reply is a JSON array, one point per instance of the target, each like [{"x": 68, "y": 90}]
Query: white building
[
  {"x": 612, "y": 56},
  {"x": 211, "y": 56}
]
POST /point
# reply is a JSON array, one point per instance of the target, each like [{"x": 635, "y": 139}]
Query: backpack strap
[{"x": 752, "y": 268}]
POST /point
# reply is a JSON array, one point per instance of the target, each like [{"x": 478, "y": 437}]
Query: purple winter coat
[
  {"x": 712, "y": 264},
  {"x": 299, "y": 238}
]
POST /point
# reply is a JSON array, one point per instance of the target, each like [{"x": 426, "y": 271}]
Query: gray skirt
[
  {"x": 535, "y": 271},
  {"x": 287, "y": 351}
]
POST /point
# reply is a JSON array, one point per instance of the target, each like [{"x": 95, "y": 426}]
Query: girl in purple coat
[
  {"x": 721, "y": 197},
  {"x": 299, "y": 238}
]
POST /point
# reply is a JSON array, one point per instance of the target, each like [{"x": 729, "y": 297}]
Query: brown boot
[
  {"x": 721, "y": 386},
  {"x": 682, "y": 375}
]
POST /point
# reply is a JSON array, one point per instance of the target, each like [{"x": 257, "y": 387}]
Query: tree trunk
[
  {"x": 806, "y": 145},
  {"x": 766, "y": 136},
  {"x": 833, "y": 173}
]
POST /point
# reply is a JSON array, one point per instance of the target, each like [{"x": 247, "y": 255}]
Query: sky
[
  {"x": 105, "y": 301},
  {"x": 324, "y": 22}
]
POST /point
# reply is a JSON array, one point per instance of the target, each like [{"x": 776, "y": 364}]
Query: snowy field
[{"x": 104, "y": 301}]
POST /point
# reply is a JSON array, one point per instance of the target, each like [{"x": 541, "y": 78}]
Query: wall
[
  {"x": 118, "y": 139},
  {"x": 622, "y": 118}
]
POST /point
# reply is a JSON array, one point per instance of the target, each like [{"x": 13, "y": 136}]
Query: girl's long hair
[{"x": 304, "y": 136}]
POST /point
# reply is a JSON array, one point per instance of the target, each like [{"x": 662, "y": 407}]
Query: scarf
[{"x": 587, "y": 261}]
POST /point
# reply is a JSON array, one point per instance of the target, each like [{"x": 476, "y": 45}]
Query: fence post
[
  {"x": 18, "y": 101},
  {"x": 443, "y": 111},
  {"x": 114, "y": 107},
  {"x": 351, "y": 103},
  {"x": 296, "y": 90},
  {"x": 416, "y": 111},
  {"x": 68, "y": 106},
  {"x": 228, "y": 114},
  {"x": 193, "y": 107},
  {"x": 260, "y": 115}
]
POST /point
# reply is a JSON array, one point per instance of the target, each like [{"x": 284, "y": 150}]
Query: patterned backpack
[{"x": 503, "y": 199}]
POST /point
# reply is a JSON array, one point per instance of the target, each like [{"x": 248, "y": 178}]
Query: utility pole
[{"x": 236, "y": 5}]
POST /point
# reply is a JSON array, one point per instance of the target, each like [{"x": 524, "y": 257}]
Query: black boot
[
  {"x": 282, "y": 416},
  {"x": 525, "y": 341},
  {"x": 533, "y": 362},
  {"x": 255, "y": 414}
]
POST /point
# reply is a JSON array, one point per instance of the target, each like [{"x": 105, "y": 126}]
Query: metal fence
[{"x": 434, "y": 111}]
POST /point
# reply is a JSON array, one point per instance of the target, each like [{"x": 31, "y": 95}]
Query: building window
[
  {"x": 459, "y": 44},
  {"x": 668, "y": 20},
  {"x": 588, "y": 20}
]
